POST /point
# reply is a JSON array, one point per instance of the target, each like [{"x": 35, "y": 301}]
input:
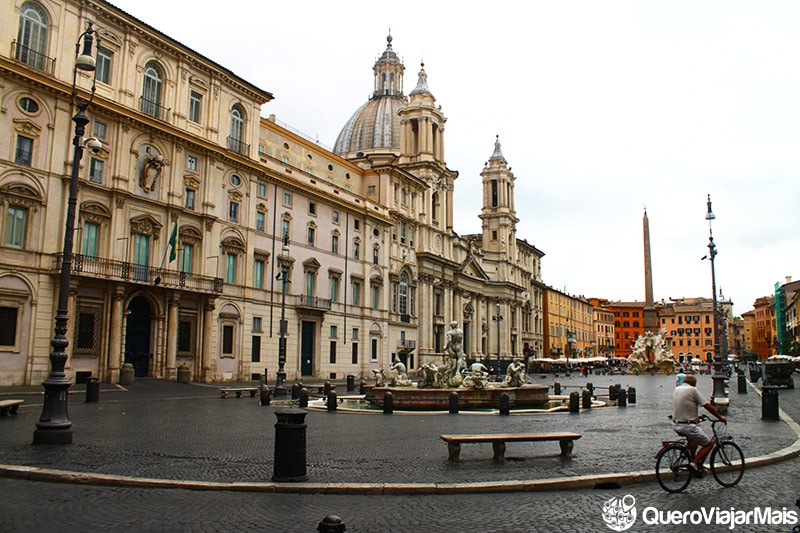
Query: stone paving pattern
[{"x": 172, "y": 431}]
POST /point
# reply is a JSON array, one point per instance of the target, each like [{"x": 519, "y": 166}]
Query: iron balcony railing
[
  {"x": 32, "y": 58},
  {"x": 97, "y": 267},
  {"x": 154, "y": 109},
  {"x": 310, "y": 302},
  {"x": 406, "y": 345},
  {"x": 238, "y": 146}
]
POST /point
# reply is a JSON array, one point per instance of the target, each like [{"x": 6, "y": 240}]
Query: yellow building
[{"x": 569, "y": 323}]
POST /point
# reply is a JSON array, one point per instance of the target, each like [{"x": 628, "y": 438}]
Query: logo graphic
[{"x": 620, "y": 513}]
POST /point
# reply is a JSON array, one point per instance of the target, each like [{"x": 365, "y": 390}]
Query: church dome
[{"x": 376, "y": 124}]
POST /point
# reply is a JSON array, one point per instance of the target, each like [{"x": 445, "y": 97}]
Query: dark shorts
[{"x": 693, "y": 432}]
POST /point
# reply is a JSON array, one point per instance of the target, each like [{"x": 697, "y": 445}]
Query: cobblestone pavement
[{"x": 169, "y": 431}]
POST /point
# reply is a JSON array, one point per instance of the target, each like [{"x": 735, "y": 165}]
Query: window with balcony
[
  {"x": 236, "y": 136},
  {"x": 89, "y": 239},
  {"x": 189, "y": 197},
  {"x": 186, "y": 252},
  {"x": 32, "y": 37},
  {"x": 151, "y": 91}
]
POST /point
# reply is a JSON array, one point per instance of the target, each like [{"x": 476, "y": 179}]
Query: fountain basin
[{"x": 414, "y": 399}]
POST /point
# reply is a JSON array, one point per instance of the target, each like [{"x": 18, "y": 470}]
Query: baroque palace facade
[{"x": 195, "y": 205}]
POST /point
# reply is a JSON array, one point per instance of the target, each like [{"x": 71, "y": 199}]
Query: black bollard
[
  {"x": 266, "y": 394},
  {"x": 612, "y": 393},
  {"x": 505, "y": 404},
  {"x": 331, "y": 524},
  {"x": 769, "y": 403},
  {"x": 453, "y": 402},
  {"x": 586, "y": 399},
  {"x": 332, "y": 401},
  {"x": 556, "y": 388},
  {"x": 351, "y": 383},
  {"x": 590, "y": 388},
  {"x": 303, "y": 402},
  {"x": 92, "y": 390},
  {"x": 742, "y": 381},
  {"x": 296, "y": 391},
  {"x": 574, "y": 402},
  {"x": 631, "y": 395},
  {"x": 290, "y": 446},
  {"x": 326, "y": 388},
  {"x": 622, "y": 398},
  {"x": 388, "y": 403},
  {"x": 362, "y": 387}
]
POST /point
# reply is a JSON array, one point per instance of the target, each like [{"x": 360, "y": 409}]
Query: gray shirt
[{"x": 685, "y": 400}]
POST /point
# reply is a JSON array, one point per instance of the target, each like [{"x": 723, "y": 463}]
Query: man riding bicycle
[{"x": 686, "y": 400}]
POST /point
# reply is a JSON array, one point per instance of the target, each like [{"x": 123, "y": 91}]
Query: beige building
[{"x": 181, "y": 218}]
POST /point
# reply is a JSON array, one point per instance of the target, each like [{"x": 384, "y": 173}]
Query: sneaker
[{"x": 697, "y": 471}]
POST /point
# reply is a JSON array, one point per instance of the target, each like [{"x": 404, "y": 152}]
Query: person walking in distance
[{"x": 686, "y": 401}]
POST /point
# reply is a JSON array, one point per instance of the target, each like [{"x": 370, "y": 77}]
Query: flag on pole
[{"x": 173, "y": 238}]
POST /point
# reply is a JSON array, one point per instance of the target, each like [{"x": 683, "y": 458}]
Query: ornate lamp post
[
  {"x": 54, "y": 426},
  {"x": 280, "y": 376},
  {"x": 718, "y": 395}
]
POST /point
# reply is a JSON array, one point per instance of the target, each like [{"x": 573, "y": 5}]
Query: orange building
[
  {"x": 766, "y": 334},
  {"x": 628, "y": 325}
]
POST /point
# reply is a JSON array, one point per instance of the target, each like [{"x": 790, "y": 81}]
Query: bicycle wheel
[
  {"x": 727, "y": 463},
  {"x": 672, "y": 468}
]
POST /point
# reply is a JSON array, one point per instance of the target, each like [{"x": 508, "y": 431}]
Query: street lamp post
[
  {"x": 498, "y": 317},
  {"x": 718, "y": 395},
  {"x": 54, "y": 426},
  {"x": 280, "y": 376}
]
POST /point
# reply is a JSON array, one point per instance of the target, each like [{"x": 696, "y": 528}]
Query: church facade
[{"x": 200, "y": 223}]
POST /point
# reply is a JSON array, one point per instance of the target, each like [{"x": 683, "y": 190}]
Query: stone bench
[
  {"x": 238, "y": 390},
  {"x": 498, "y": 440},
  {"x": 9, "y": 407}
]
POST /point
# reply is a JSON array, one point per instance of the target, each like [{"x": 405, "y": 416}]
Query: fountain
[
  {"x": 647, "y": 343},
  {"x": 438, "y": 382}
]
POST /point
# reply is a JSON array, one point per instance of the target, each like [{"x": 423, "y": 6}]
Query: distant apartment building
[
  {"x": 569, "y": 326},
  {"x": 766, "y": 335}
]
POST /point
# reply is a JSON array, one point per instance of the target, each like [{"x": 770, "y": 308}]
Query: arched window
[
  {"x": 237, "y": 130},
  {"x": 151, "y": 90},
  {"x": 32, "y": 36}
]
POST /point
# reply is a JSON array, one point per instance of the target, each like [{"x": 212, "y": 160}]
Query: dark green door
[
  {"x": 307, "y": 349},
  {"x": 137, "y": 336}
]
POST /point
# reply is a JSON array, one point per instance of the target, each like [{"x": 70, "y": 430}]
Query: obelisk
[{"x": 650, "y": 315}]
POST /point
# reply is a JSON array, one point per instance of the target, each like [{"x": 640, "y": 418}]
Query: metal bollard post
[
  {"x": 92, "y": 390},
  {"x": 296, "y": 391},
  {"x": 266, "y": 394},
  {"x": 574, "y": 402},
  {"x": 388, "y": 403},
  {"x": 586, "y": 399},
  {"x": 351, "y": 383},
  {"x": 303, "y": 402},
  {"x": 505, "y": 404},
  {"x": 326, "y": 388},
  {"x": 769, "y": 403},
  {"x": 631, "y": 394},
  {"x": 622, "y": 398},
  {"x": 290, "y": 446},
  {"x": 590, "y": 388},
  {"x": 556, "y": 388},
  {"x": 332, "y": 401},
  {"x": 453, "y": 402},
  {"x": 362, "y": 387},
  {"x": 742, "y": 381},
  {"x": 331, "y": 524},
  {"x": 612, "y": 393}
]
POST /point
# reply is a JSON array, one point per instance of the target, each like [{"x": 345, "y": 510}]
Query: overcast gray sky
[{"x": 603, "y": 108}]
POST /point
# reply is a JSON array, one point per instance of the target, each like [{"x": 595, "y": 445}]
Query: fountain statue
[
  {"x": 437, "y": 382},
  {"x": 400, "y": 378},
  {"x": 647, "y": 343}
]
